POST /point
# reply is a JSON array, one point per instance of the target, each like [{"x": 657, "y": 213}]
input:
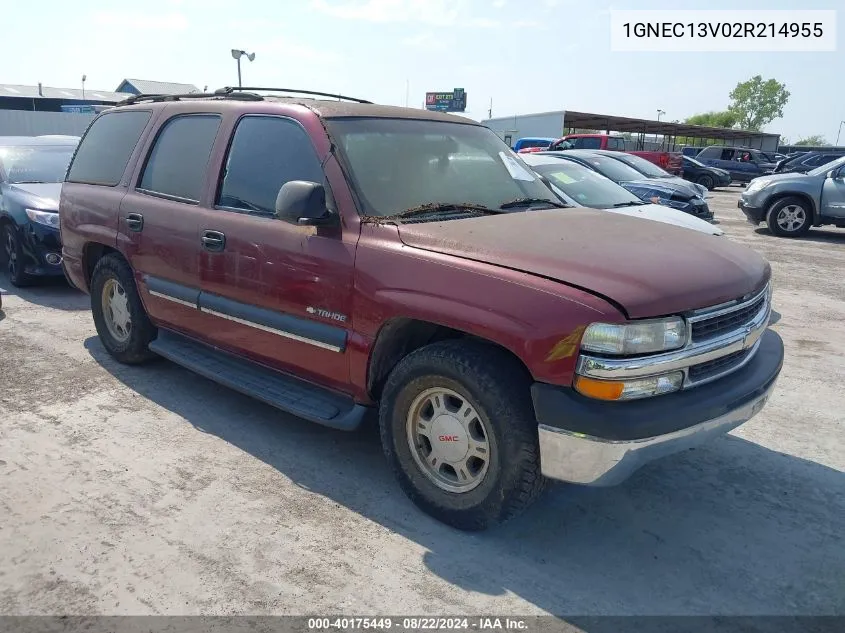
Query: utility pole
[
  {"x": 839, "y": 132},
  {"x": 490, "y": 109}
]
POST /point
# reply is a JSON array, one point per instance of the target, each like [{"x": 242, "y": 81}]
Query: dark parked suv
[{"x": 331, "y": 257}]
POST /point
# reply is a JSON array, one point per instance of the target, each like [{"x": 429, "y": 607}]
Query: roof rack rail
[
  {"x": 240, "y": 96},
  {"x": 228, "y": 90}
]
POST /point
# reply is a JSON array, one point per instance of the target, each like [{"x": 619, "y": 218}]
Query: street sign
[{"x": 455, "y": 101}]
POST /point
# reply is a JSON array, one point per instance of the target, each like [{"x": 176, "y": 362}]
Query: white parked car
[{"x": 582, "y": 187}]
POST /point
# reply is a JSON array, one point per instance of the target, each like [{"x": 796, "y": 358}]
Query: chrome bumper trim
[
  {"x": 692, "y": 354},
  {"x": 582, "y": 459}
]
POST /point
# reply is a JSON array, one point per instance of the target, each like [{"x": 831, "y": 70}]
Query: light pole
[
  {"x": 237, "y": 54},
  {"x": 84, "y": 77},
  {"x": 659, "y": 114},
  {"x": 839, "y": 132}
]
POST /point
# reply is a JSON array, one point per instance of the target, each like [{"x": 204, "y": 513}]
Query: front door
[
  {"x": 833, "y": 195},
  {"x": 281, "y": 293},
  {"x": 159, "y": 219}
]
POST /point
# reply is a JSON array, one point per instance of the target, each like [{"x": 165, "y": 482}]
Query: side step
[{"x": 279, "y": 390}]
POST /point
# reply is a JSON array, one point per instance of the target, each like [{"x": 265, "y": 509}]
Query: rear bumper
[
  {"x": 601, "y": 444},
  {"x": 753, "y": 214}
]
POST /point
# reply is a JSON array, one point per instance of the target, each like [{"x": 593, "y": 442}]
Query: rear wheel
[
  {"x": 13, "y": 254},
  {"x": 789, "y": 217},
  {"x": 706, "y": 182},
  {"x": 458, "y": 428},
  {"x": 119, "y": 316}
]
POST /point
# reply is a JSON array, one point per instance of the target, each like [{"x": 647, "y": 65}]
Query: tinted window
[
  {"x": 587, "y": 143},
  {"x": 266, "y": 153},
  {"x": 727, "y": 154},
  {"x": 644, "y": 167},
  {"x": 105, "y": 150},
  {"x": 177, "y": 163},
  {"x": 820, "y": 160}
]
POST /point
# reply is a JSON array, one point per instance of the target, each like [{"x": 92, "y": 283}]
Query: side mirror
[{"x": 303, "y": 202}]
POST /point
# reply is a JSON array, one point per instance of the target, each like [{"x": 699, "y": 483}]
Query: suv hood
[{"x": 650, "y": 269}]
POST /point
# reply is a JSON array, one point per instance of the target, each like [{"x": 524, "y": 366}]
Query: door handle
[
  {"x": 135, "y": 222},
  {"x": 213, "y": 241}
]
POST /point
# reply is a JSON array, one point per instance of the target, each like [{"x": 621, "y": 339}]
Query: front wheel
[
  {"x": 789, "y": 217},
  {"x": 119, "y": 316},
  {"x": 13, "y": 253},
  {"x": 706, "y": 182},
  {"x": 458, "y": 428}
]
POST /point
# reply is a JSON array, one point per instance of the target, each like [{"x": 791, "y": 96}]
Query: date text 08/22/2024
[{"x": 417, "y": 623}]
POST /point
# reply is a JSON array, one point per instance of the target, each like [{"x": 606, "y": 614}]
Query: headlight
[
  {"x": 636, "y": 337},
  {"x": 47, "y": 218},
  {"x": 633, "y": 389},
  {"x": 757, "y": 185}
]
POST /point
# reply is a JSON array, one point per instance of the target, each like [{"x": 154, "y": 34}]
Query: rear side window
[
  {"x": 266, "y": 153},
  {"x": 587, "y": 143},
  {"x": 727, "y": 154},
  {"x": 178, "y": 160},
  {"x": 616, "y": 144},
  {"x": 104, "y": 152}
]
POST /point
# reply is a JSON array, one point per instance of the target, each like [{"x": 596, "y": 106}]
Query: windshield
[
  {"x": 818, "y": 171},
  {"x": 585, "y": 186},
  {"x": 697, "y": 163},
  {"x": 614, "y": 169},
  {"x": 400, "y": 164},
  {"x": 35, "y": 163},
  {"x": 643, "y": 166}
]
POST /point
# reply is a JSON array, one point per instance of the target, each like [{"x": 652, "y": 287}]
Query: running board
[{"x": 279, "y": 390}]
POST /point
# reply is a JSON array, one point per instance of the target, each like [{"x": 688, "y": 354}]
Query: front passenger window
[{"x": 266, "y": 153}]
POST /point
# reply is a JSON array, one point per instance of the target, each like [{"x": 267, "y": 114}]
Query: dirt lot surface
[{"x": 153, "y": 491}]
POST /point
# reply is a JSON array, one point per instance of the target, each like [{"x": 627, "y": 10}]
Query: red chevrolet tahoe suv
[{"x": 331, "y": 257}]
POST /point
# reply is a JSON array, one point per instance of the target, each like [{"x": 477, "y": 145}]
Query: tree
[
  {"x": 816, "y": 140},
  {"x": 725, "y": 118},
  {"x": 756, "y": 102}
]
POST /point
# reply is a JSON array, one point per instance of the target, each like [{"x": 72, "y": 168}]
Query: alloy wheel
[
  {"x": 448, "y": 440},
  {"x": 791, "y": 218}
]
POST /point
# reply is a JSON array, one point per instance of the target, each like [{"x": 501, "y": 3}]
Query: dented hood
[{"x": 648, "y": 268}]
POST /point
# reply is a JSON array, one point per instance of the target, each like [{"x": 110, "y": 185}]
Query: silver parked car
[{"x": 791, "y": 203}]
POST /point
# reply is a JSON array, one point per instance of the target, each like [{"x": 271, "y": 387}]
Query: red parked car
[
  {"x": 333, "y": 257},
  {"x": 670, "y": 161}
]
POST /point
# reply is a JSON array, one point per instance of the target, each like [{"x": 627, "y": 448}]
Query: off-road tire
[
  {"x": 18, "y": 277},
  {"x": 134, "y": 350},
  {"x": 775, "y": 209},
  {"x": 498, "y": 388}
]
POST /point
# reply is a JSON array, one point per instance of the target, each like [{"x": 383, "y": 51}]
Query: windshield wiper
[
  {"x": 632, "y": 203},
  {"x": 527, "y": 202},
  {"x": 435, "y": 208},
  {"x": 30, "y": 182}
]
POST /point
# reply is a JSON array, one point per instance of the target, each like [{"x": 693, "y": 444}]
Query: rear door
[
  {"x": 160, "y": 217},
  {"x": 280, "y": 293}
]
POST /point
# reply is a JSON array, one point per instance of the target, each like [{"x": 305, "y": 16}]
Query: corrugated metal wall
[{"x": 26, "y": 123}]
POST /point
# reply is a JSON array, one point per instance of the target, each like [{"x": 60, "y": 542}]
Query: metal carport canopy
[{"x": 586, "y": 120}]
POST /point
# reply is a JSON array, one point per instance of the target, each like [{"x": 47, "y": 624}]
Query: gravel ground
[{"x": 154, "y": 491}]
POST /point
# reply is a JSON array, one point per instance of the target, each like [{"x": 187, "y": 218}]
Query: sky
[{"x": 524, "y": 55}]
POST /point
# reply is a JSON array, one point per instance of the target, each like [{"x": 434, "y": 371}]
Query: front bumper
[
  {"x": 753, "y": 214},
  {"x": 601, "y": 444},
  {"x": 40, "y": 244}
]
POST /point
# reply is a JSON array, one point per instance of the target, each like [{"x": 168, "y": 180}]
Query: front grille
[
  {"x": 726, "y": 323},
  {"x": 721, "y": 365}
]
